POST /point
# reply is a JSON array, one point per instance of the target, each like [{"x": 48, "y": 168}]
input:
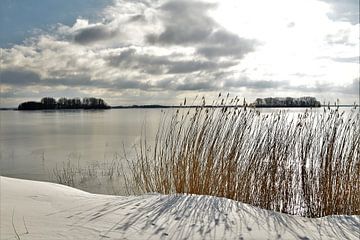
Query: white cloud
[
  {"x": 210, "y": 48},
  {"x": 296, "y": 37}
]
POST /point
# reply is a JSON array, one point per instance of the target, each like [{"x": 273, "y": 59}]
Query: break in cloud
[{"x": 160, "y": 51}]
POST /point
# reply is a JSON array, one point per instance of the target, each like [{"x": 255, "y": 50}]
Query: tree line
[
  {"x": 65, "y": 103},
  {"x": 287, "y": 102}
]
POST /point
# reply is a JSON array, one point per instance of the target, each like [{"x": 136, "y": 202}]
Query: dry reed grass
[
  {"x": 306, "y": 164},
  {"x": 71, "y": 173}
]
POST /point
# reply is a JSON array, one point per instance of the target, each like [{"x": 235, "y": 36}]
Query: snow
[{"x": 42, "y": 210}]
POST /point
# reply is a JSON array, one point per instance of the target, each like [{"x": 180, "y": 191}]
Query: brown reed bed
[{"x": 306, "y": 164}]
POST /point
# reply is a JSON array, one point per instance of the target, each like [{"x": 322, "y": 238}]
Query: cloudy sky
[{"x": 154, "y": 51}]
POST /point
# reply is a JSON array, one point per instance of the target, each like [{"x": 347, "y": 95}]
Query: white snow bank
[{"x": 52, "y": 211}]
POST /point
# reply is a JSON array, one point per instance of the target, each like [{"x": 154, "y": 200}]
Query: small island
[
  {"x": 48, "y": 103},
  {"x": 286, "y": 102}
]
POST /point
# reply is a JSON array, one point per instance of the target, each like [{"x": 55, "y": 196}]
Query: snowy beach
[{"x": 42, "y": 210}]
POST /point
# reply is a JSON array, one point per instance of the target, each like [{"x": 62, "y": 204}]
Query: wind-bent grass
[{"x": 306, "y": 164}]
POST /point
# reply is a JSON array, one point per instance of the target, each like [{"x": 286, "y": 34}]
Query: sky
[{"x": 160, "y": 51}]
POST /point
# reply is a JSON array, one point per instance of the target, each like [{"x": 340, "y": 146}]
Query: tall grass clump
[
  {"x": 299, "y": 163},
  {"x": 106, "y": 174}
]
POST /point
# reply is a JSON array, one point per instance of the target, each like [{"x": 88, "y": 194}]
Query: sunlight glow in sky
[{"x": 158, "y": 52}]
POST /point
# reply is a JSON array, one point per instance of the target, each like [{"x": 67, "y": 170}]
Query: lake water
[{"x": 34, "y": 143}]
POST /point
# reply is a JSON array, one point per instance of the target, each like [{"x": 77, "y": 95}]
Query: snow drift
[{"x": 41, "y": 210}]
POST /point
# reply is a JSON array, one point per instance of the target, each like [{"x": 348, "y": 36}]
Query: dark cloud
[
  {"x": 129, "y": 84},
  {"x": 195, "y": 86},
  {"x": 21, "y": 77},
  {"x": 191, "y": 66},
  {"x": 258, "y": 84},
  {"x": 15, "y": 76},
  {"x": 201, "y": 81},
  {"x": 344, "y": 10},
  {"x": 138, "y": 18},
  {"x": 224, "y": 37},
  {"x": 213, "y": 83},
  {"x": 93, "y": 34},
  {"x": 157, "y": 65},
  {"x": 28, "y": 93},
  {"x": 187, "y": 23},
  {"x": 348, "y": 60},
  {"x": 341, "y": 37},
  {"x": 223, "y": 43},
  {"x": 129, "y": 59}
]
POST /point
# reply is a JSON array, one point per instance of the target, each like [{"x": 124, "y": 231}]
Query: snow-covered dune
[{"x": 41, "y": 210}]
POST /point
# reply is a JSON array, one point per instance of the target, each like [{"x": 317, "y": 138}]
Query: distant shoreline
[
  {"x": 215, "y": 106},
  {"x": 171, "y": 106}
]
